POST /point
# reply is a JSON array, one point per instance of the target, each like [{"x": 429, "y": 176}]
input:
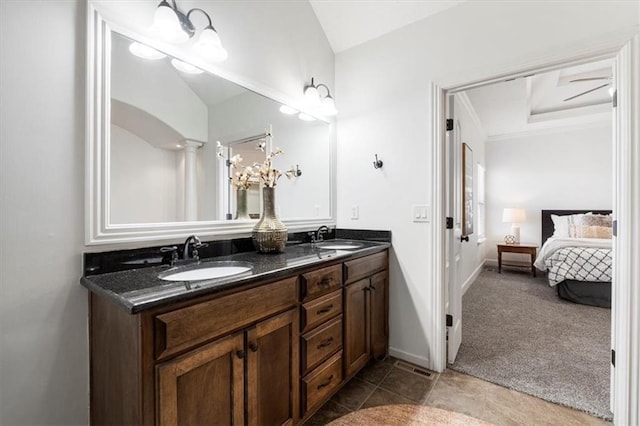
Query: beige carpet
[{"x": 404, "y": 414}]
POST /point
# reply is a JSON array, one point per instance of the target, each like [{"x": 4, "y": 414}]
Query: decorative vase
[
  {"x": 269, "y": 234},
  {"x": 241, "y": 204}
]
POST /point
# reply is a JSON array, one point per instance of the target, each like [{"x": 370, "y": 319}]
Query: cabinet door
[
  {"x": 205, "y": 386},
  {"x": 273, "y": 371},
  {"x": 356, "y": 326},
  {"x": 379, "y": 314}
]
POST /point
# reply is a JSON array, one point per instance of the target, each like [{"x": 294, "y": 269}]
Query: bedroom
[{"x": 544, "y": 151}]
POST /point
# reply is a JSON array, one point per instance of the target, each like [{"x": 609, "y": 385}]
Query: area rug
[
  {"x": 517, "y": 333},
  {"x": 404, "y": 414}
]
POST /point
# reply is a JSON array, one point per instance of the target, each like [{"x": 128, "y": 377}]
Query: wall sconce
[
  {"x": 173, "y": 26},
  {"x": 325, "y": 105},
  {"x": 513, "y": 216}
]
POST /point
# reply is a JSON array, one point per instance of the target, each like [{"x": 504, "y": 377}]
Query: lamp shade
[
  {"x": 166, "y": 24},
  {"x": 514, "y": 215},
  {"x": 210, "y": 46}
]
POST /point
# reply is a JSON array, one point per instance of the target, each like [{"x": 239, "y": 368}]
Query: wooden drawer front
[
  {"x": 321, "y": 281},
  {"x": 316, "y": 387},
  {"x": 357, "y": 269},
  {"x": 320, "y": 343},
  {"x": 190, "y": 326},
  {"x": 321, "y": 309}
]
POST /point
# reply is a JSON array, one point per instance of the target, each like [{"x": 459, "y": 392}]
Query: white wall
[
  {"x": 141, "y": 194},
  {"x": 384, "y": 102},
  {"x": 43, "y": 308},
  {"x": 566, "y": 169}
]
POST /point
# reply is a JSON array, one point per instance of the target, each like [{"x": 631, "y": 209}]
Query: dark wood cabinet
[{"x": 270, "y": 353}]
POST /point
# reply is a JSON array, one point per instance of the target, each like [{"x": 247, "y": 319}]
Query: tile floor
[{"x": 384, "y": 383}]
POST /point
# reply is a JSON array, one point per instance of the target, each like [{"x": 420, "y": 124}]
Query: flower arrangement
[
  {"x": 241, "y": 179},
  {"x": 267, "y": 173}
]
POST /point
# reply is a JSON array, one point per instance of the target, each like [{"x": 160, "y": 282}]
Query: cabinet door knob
[
  {"x": 325, "y": 384},
  {"x": 240, "y": 354},
  {"x": 253, "y": 347}
]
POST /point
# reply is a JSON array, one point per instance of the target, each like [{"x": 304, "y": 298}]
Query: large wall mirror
[{"x": 161, "y": 134}]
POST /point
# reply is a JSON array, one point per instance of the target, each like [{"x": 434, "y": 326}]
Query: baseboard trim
[
  {"x": 472, "y": 278},
  {"x": 414, "y": 359}
]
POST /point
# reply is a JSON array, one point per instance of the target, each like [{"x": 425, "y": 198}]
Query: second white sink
[{"x": 207, "y": 271}]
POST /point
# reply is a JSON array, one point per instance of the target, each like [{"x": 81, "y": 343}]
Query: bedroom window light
[{"x": 481, "y": 205}]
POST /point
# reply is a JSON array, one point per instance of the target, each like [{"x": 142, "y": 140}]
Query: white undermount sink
[
  {"x": 339, "y": 245},
  {"x": 207, "y": 271}
]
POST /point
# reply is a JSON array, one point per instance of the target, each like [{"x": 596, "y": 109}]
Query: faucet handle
[
  {"x": 174, "y": 253},
  {"x": 312, "y": 234},
  {"x": 196, "y": 246}
]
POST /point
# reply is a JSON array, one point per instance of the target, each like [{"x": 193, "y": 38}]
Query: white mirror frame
[{"x": 98, "y": 230}]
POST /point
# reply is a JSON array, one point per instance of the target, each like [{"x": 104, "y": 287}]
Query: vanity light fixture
[
  {"x": 173, "y": 26},
  {"x": 325, "y": 105},
  {"x": 144, "y": 51}
]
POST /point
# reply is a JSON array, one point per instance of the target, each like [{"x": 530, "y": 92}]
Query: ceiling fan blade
[
  {"x": 590, "y": 79},
  {"x": 584, "y": 93}
]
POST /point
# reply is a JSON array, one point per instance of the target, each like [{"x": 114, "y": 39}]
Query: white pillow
[{"x": 562, "y": 224}]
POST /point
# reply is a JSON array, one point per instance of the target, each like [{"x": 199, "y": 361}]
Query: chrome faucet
[
  {"x": 191, "y": 246},
  {"x": 317, "y": 235}
]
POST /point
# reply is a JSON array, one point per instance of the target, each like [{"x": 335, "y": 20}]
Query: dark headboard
[{"x": 547, "y": 223}]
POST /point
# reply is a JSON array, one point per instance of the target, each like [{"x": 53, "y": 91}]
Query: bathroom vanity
[{"x": 265, "y": 347}]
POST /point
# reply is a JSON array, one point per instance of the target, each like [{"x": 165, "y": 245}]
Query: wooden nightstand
[{"x": 525, "y": 248}]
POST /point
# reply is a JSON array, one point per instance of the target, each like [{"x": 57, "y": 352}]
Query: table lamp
[{"x": 513, "y": 216}]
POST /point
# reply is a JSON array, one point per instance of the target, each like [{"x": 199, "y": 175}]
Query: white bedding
[{"x": 582, "y": 259}]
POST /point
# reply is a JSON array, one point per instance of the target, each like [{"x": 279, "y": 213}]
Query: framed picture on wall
[{"x": 467, "y": 190}]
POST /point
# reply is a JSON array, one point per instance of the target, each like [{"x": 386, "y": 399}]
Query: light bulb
[
  {"x": 286, "y": 109},
  {"x": 305, "y": 117},
  {"x": 311, "y": 95},
  {"x": 185, "y": 67},
  {"x": 328, "y": 106},
  {"x": 144, "y": 51},
  {"x": 209, "y": 45},
  {"x": 166, "y": 24}
]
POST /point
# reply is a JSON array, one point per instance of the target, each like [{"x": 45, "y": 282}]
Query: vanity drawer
[
  {"x": 321, "y": 383},
  {"x": 317, "y": 345},
  {"x": 321, "y": 309},
  {"x": 321, "y": 281},
  {"x": 184, "y": 328},
  {"x": 357, "y": 269}
]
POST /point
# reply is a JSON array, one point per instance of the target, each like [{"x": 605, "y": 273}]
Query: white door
[{"x": 453, "y": 243}]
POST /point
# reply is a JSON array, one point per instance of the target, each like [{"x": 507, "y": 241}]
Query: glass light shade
[
  {"x": 514, "y": 216},
  {"x": 210, "y": 47},
  {"x": 185, "y": 67},
  {"x": 144, "y": 51},
  {"x": 305, "y": 117},
  {"x": 286, "y": 109},
  {"x": 311, "y": 95},
  {"x": 328, "y": 106},
  {"x": 166, "y": 25}
]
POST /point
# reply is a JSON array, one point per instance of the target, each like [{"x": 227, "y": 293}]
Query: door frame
[{"x": 626, "y": 332}]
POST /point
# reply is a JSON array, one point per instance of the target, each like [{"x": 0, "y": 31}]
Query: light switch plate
[
  {"x": 421, "y": 213},
  {"x": 355, "y": 212}
]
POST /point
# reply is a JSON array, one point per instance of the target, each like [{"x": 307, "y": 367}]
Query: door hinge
[
  {"x": 614, "y": 98},
  {"x": 449, "y": 321},
  {"x": 613, "y": 357},
  {"x": 449, "y": 124},
  {"x": 449, "y": 223},
  {"x": 614, "y": 228}
]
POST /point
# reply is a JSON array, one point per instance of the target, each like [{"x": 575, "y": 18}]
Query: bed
[{"x": 579, "y": 268}]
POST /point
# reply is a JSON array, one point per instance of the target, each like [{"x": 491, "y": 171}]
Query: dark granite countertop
[{"x": 137, "y": 290}]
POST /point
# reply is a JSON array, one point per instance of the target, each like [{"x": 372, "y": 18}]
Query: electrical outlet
[
  {"x": 421, "y": 213},
  {"x": 355, "y": 212}
]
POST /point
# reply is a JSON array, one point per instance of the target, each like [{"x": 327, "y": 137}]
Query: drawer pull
[
  {"x": 324, "y": 310},
  {"x": 325, "y": 384},
  {"x": 326, "y": 343},
  {"x": 325, "y": 281},
  {"x": 240, "y": 354},
  {"x": 253, "y": 347}
]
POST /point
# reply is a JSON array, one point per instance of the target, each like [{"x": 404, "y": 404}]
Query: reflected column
[{"x": 191, "y": 180}]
